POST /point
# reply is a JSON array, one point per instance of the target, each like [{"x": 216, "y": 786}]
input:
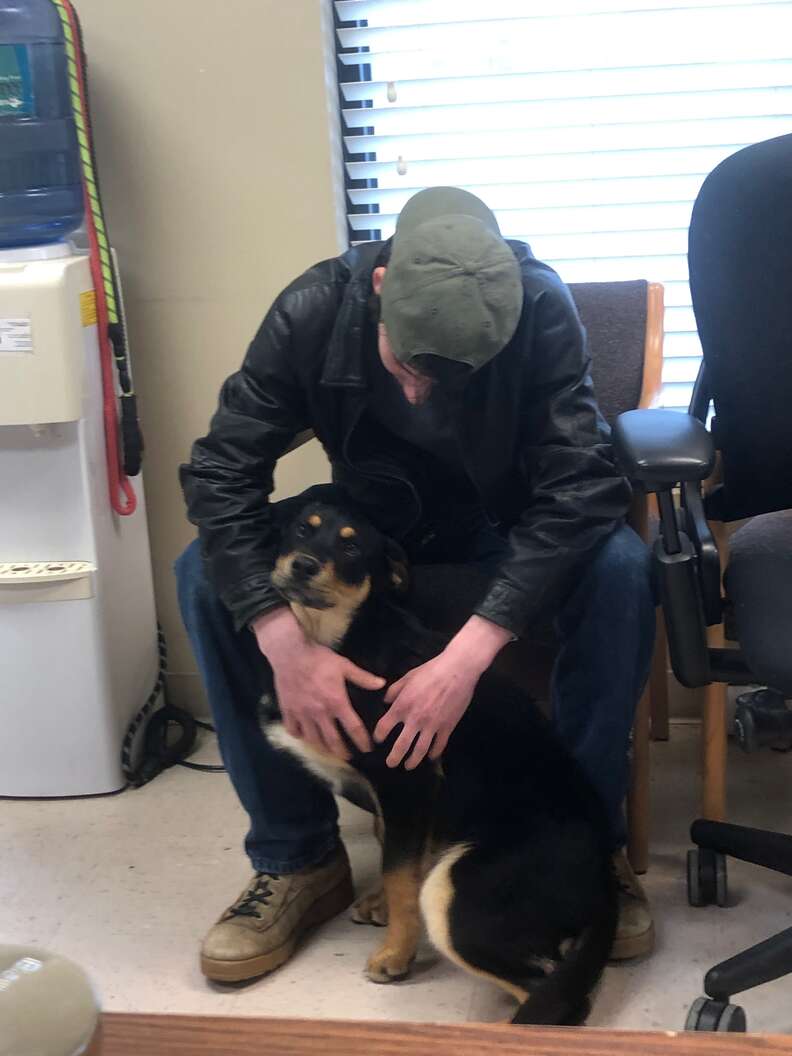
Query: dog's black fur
[{"x": 523, "y": 890}]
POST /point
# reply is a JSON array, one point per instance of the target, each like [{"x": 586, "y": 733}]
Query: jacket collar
[{"x": 346, "y": 361}]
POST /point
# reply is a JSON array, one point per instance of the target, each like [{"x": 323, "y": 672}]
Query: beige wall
[{"x": 220, "y": 180}]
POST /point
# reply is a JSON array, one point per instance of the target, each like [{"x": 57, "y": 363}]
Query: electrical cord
[
  {"x": 159, "y": 751},
  {"x": 205, "y": 767}
]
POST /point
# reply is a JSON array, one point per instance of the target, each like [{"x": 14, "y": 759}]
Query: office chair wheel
[
  {"x": 707, "y": 880},
  {"x": 706, "y": 1014}
]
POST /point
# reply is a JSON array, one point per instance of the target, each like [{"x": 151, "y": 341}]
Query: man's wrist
[
  {"x": 275, "y": 629},
  {"x": 478, "y": 643}
]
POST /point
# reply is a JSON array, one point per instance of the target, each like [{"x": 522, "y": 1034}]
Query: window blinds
[{"x": 587, "y": 125}]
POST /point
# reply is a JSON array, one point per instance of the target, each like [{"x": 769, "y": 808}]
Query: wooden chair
[{"x": 624, "y": 325}]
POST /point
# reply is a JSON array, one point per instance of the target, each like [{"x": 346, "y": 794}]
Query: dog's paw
[
  {"x": 387, "y": 965},
  {"x": 371, "y": 909}
]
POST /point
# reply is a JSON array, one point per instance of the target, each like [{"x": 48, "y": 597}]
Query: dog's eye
[{"x": 351, "y": 549}]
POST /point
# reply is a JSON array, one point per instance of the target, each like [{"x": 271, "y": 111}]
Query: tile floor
[{"x": 127, "y": 884}]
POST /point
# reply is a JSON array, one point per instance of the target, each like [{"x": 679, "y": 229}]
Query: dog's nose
[{"x": 305, "y": 566}]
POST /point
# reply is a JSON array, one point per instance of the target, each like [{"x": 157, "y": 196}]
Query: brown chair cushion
[{"x": 614, "y": 316}]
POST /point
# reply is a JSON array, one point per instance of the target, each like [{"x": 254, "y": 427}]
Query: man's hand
[
  {"x": 431, "y": 699},
  {"x": 310, "y": 681}
]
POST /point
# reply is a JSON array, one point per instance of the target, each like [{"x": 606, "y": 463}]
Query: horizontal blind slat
[
  {"x": 679, "y": 316},
  {"x": 434, "y": 90},
  {"x": 616, "y": 110},
  {"x": 538, "y": 168},
  {"x": 750, "y": 31},
  {"x": 733, "y": 131},
  {"x": 568, "y": 193},
  {"x": 676, "y": 397},
  {"x": 655, "y": 217},
  {"x": 650, "y": 266},
  {"x": 680, "y": 369},
  {"x": 420, "y": 12},
  {"x": 681, "y": 346}
]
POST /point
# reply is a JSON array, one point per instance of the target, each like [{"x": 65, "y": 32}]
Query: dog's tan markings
[
  {"x": 437, "y": 896},
  {"x": 315, "y": 520},
  {"x": 347, "y": 532},
  {"x": 340, "y": 601},
  {"x": 282, "y": 570},
  {"x": 393, "y": 958},
  {"x": 329, "y": 625}
]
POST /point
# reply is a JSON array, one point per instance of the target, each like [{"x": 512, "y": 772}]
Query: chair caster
[
  {"x": 707, "y": 880},
  {"x": 706, "y": 1014},
  {"x": 762, "y": 719}
]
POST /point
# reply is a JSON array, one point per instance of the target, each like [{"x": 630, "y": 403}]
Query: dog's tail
[{"x": 562, "y": 997}]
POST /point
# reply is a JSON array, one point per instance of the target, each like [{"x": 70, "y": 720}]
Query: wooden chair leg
[
  {"x": 638, "y": 795},
  {"x": 713, "y": 731},
  {"x": 658, "y": 683}
]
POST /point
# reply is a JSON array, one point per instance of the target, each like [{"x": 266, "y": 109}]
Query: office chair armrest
[{"x": 660, "y": 448}]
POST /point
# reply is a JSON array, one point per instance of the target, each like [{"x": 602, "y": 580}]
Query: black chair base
[
  {"x": 763, "y": 720},
  {"x": 762, "y": 963},
  {"x": 719, "y": 1016}
]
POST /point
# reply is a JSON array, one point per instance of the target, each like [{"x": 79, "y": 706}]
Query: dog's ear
[{"x": 397, "y": 566}]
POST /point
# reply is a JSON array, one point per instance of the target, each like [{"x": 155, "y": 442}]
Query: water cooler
[{"x": 78, "y": 635}]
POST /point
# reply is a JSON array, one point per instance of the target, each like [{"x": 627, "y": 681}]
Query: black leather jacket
[{"x": 533, "y": 441}]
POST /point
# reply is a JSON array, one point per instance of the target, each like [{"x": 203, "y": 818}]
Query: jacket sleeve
[
  {"x": 229, "y": 476},
  {"x": 575, "y": 495}
]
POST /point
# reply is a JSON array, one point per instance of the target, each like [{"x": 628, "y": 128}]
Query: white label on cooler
[{"x": 16, "y": 335}]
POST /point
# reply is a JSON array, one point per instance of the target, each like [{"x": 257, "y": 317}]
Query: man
[{"x": 446, "y": 376}]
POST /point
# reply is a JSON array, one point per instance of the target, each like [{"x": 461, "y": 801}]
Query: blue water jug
[{"x": 41, "y": 198}]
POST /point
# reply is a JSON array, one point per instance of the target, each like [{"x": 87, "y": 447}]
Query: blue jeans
[{"x": 605, "y": 629}]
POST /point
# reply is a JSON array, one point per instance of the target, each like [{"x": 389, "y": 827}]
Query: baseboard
[
  {"x": 186, "y": 690},
  {"x": 685, "y": 705}
]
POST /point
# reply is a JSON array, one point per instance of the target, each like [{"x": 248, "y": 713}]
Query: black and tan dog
[{"x": 504, "y": 844}]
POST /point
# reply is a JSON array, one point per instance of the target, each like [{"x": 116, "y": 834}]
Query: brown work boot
[
  {"x": 261, "y": 930},
  {"x": 635, "y": 933}
]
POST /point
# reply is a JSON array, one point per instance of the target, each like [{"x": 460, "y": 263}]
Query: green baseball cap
[{"x": 453, "y": 287}]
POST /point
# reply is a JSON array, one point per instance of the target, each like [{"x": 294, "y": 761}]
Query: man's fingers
[
  {"x": 332, "y": 738},
  {"x": 311, "y": 734},
  {"x": 392, "y": 717},
  {"x": 291, "y": 725},
  {"x": 358, "y": 733},
  {"x": 439, "y": 746},
  {"x": 394, "y": 690},
  {"x": 364, "y": 679},
  {"x": 402, "y": 746},
  {"x": 422, "y": 746}
]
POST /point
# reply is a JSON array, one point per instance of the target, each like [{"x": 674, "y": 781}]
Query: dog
[{"x": 503, "y": 843}]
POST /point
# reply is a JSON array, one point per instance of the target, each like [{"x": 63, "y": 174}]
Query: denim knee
[{"x": 622, "y": 569}]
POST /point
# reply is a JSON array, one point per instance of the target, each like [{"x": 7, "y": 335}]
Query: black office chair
[{"x": 740, "y": 256}]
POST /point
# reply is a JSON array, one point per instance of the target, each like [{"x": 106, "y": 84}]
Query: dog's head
[{"x": 330, "y": 562}]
